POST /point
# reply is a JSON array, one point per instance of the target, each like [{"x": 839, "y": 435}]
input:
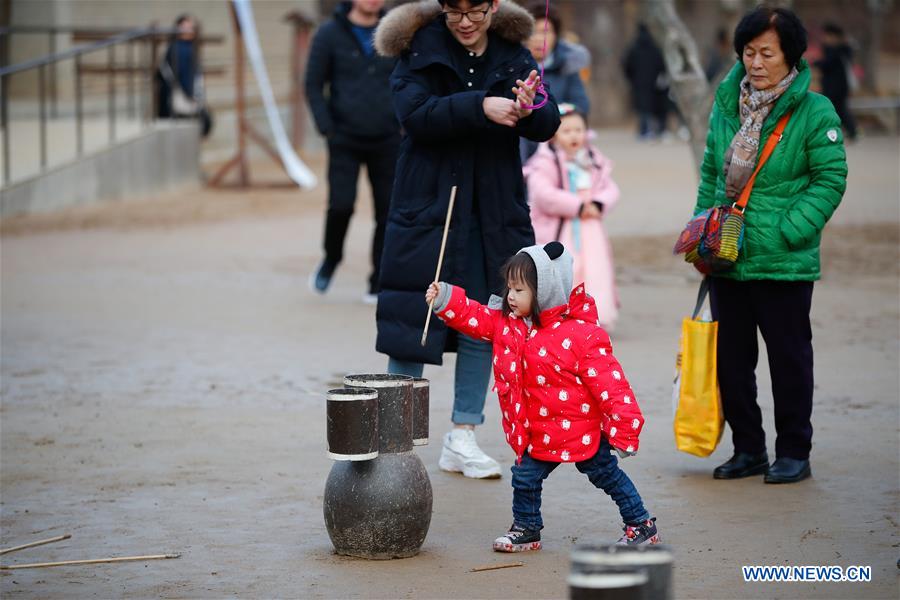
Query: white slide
[{"x": 295, "y": 167}]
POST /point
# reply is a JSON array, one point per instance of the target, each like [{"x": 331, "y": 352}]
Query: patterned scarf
[{"x": 754, "y": 106}]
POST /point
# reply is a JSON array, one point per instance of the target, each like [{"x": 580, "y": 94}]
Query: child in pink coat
[{"x": 570, "y": 191}]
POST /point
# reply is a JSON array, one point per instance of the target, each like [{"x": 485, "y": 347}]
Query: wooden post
[
  {"x": 239, "y": 96},
  {"x": 154, "y": 83},
  {"x": 240, "y": 158},
  {"x": 299, "y": 55},
  {"x": 245, "y": 130}
]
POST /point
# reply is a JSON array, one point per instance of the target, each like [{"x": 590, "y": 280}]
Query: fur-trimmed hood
[{"x": 396, "y": 30}]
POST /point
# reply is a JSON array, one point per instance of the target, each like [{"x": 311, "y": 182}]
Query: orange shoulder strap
[{"x": 774, "y": 138}]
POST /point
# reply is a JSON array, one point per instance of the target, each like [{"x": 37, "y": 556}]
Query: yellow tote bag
[{"x": 699, "y": 421}]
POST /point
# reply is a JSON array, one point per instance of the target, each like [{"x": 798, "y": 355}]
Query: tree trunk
[
  {"x": 878, "y": 10},
  {"x": 689, "y": 88}
]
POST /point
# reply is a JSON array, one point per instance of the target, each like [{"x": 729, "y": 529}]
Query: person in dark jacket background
[
  {"x": 837, "y": 60},
  {"x": 562, "y": 65},
  {"x": 453, "y": 94},
  {"x": 180, "y": 67},
  {"x": 349, "y": 96},
  {"x": 719, "y": 57},
  {"x": 645, "y": 70}
]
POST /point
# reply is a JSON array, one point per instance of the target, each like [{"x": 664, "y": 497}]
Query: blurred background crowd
[{"x": 616, "y": 69}]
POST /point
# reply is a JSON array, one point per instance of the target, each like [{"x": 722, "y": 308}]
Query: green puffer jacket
[{"x": 796, "y": 191}]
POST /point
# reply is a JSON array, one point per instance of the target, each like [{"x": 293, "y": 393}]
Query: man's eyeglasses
[{"x": 474, "y": 16}]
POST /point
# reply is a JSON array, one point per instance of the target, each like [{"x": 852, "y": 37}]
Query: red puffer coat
[{"x": 559, "y": 384}]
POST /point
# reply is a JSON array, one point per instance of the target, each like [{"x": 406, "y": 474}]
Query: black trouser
[
  {"x": 842, "y": 107},
  {"x": 780, "y": 309},
  {"x": 345, "y": 156}
]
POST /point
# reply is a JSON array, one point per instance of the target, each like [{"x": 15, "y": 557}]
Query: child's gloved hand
[
  {"x": 432, "y": 292},
  {"x": 623, "y": 453}
]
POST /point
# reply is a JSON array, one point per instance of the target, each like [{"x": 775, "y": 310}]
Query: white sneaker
[{"x": 461, "y": 454}]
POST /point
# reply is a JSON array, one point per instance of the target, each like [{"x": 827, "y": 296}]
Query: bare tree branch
[
  {"x": 878, "y": 10},
  {"x": 690, "y": 90}
]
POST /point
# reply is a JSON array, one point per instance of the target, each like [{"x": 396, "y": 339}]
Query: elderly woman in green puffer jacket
[{"x": 770, "y": 287}]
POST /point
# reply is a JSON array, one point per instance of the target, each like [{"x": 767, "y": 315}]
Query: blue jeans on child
[
  {"x": 473, "y": 357},
  {"x": 602, "y": 470}
]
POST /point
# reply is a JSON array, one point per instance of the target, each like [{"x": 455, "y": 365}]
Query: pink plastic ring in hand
[{"x": 541, "y": 91}]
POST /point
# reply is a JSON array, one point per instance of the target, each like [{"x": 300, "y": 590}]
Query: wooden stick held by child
[{"x": 437, "y": 272}]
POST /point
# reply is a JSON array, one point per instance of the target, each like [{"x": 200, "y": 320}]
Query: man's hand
[
  {"x": 432, "y": 292},
  {"x": 525, "y": 92},
  {"x": 502, "y": 111}
]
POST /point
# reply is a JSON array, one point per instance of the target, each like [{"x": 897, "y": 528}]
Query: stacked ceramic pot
[{"x": 378, "y": 496}]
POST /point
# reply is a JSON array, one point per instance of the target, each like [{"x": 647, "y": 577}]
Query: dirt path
[{"x": 163, "y": 375}]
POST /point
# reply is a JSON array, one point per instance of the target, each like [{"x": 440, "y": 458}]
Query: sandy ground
[{"x": 163, "y": 376}]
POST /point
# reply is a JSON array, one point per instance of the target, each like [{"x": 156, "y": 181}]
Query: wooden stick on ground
[
  {"x": 437, "y": 273},
  {"x": 89, "y": 561},
  {"x": 58, "y": 538},
  {"x": 500, "y": 566}
]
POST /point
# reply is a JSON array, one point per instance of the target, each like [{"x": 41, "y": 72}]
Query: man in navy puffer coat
[{"x": 349, "y": 97}]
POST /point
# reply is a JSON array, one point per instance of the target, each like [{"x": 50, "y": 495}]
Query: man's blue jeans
[
  {"x": 473, "y": 372},
  {"x": 602, "y": 470},
  {"x": 473, "y": 357}
]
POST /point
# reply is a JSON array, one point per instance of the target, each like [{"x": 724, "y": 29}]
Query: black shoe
[
  {"x": 640, "y": 534},
  {"x": 742, "y": 465},
  {"x": 518, "y": 539},
  {"x": 321, "y": 279},
  {"x": 788, "y": 470}
]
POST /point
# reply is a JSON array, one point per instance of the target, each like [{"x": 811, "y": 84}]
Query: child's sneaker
[
  {"x": 637, "y": 535},
  {"x": 518, "y": 539}
]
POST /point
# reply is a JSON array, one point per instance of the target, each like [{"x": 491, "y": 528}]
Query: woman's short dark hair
[
  {"x": 790, "y": 31},
  {"x": 538, "y": 10},
  {"x": 521, "y": 268}
]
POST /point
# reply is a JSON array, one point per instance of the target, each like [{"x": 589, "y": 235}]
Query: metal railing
[
  {"x": 131, "y": 55},
  {"x": 51, "y": 32},
  {"x": 77, "y": 55}
]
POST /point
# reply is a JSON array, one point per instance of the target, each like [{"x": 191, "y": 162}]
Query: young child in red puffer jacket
[{"x": 563, "y": 395}]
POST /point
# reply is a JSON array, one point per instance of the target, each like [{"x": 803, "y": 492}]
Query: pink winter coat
[
  {"x": 548, "y": 192},
  {"x": 553, "y": 210},
  {"x": 559, "y": 384}
]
